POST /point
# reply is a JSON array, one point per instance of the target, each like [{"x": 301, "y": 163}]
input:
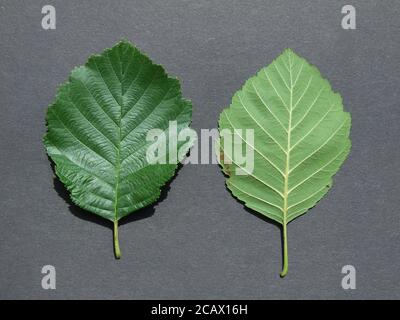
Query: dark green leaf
[{"x": 97, "y": 130}]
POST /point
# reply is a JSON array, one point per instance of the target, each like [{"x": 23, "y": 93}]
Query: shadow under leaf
[{"x": 140, "y": 214}]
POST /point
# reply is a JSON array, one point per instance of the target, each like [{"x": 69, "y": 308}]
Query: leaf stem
[
  {"x": 286, "y": 183},
  {"x": 285, "y": 252},
  {"x": 117, "y": 250}
]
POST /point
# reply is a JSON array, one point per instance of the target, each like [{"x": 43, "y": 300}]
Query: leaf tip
[{"x": 290, "y": 52}]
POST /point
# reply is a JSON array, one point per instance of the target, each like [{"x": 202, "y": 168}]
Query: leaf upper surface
[{"x": 97, "y": 129}]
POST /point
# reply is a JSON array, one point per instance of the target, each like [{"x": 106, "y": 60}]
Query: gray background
[{"x": 199, "y": 242}]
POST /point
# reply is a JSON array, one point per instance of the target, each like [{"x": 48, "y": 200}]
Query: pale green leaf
[
  {"x": 301, "y": 138},
  {"x": 97, "y": 129}
]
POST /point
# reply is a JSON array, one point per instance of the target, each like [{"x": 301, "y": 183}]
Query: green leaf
[
  {"x": 97, "y": 129},
  {"x": 301, "y": 138}
]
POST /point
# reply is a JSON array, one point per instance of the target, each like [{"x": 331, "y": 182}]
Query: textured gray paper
[{"x": 199, "y": 242}]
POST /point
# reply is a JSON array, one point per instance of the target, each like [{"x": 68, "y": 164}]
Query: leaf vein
[
  {"x": 268, "y": 108},
  {"x": 260, "y": 126},
  {"x": 69, "y": 130},
  {"x": 320, "y": 147}
]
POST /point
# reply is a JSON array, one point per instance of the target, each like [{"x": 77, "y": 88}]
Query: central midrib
[
  {"x": 118, "y": 160},
  {"x": 286, "y": 177}
]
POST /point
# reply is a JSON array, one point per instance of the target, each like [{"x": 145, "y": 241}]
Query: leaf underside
[
  {"x": 301, "y": 138},
  {"x": 97, "y": 129}
]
